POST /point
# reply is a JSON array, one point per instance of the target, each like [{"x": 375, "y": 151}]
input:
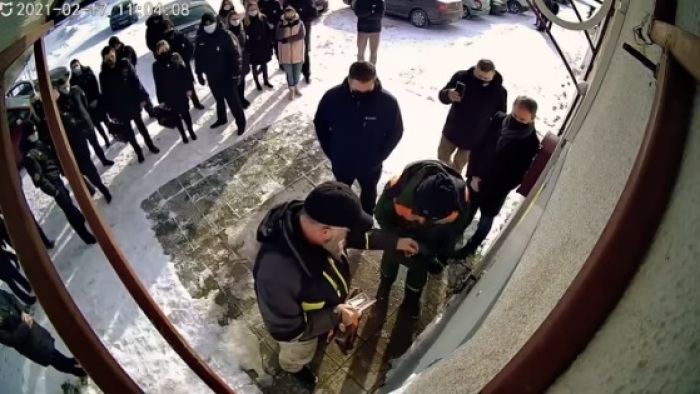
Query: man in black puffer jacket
[
  {"x": 358, "y": 125},
  {"x": 474, "y": 96},
  {"x": 218, "y": 56},
  {"x": 19, "y": 331},
  {"x": 369, "y": 26}
]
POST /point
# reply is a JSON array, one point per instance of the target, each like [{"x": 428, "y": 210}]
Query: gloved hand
[{"x": 200, "y": 79}]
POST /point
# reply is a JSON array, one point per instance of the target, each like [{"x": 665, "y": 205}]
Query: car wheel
[
  {"x": 419, "y": 18},
  {"x": 514, "y": 7},
  {"x": 466, "y": 12}
]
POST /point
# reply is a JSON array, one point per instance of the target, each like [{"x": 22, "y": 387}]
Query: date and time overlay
[{"x": 45, "y": 9}]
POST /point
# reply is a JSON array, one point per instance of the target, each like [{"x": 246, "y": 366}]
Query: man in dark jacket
[
  {"x": 83, "y": 77},
  {"x": 218, "y": 56},
  {"x": 127, "y": 52},
  {"x": 307, "y": 13},
  {"x": 155, "y": 31},
  {"x": 72, "y": 107},
  {"x": 428, "y": 202},
  {"x": 358, "y": 125},
  {"x": 272, "y": 9},
  {"x": 499, "y": 164},
  {"x": 369, "y": 26},
  {"x": 19, "y": 331},
  {"x": 474, "y": 95},
  {"x": 181, "y": 45},
  {"x": 302, "y": 276},
  {"x": 124, "y": 97},
  {"x": 46, "y": 176}
]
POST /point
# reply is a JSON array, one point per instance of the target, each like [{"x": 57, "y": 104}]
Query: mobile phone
[{"x": 460, "y": 87}]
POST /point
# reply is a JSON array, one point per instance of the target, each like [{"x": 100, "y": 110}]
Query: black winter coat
[
  {"x": 127, "y": 52},
  {"x": 217, "y": 55},
  {"x": 259, "y": 39},
  {"x": 154, "y": 32},
  {"x": 122, "y": 91},
  {"x": 240, "y": 34},
  {"x": 469, "y": 119},
  {"x": 77, "y": 123},
  {"x": 181, "y": 45},
  {"x": 87, "y": 81},
  {"x": 358, "y": 134},
  {"x": 34, "y": 343},
  {"x": 272, "y": 9},
  {"x": 173, "y": 80},
  {"x": 369, "y": 15},
  {"x": 500, "y": 170}
]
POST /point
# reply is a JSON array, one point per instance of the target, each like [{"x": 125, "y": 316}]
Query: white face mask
[
  {"x": 64, "y": 89},
  {"x": 253, "y": 13},
  {"x": 227, "y": 7},
  {"x": 77, "y": 70},
  {"x": 34, "y": 137},
  {"x": 235, "y": 22},
  {"x": 210, "y": 28}
]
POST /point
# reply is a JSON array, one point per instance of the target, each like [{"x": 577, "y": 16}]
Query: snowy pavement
[{"x": 413, "y": 64}]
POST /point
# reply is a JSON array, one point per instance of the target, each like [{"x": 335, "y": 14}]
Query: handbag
[
  {"x": 166, "y": 117},
  {"x": 119, "y": 131}
]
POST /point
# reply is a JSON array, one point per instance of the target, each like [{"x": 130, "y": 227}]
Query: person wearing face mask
[
  {"x": 302, "y": 275},
  {"x": 259, "y": 43},
  {"x": 155, "y": 31},
  {"x": 127, "y": 52},
  {"x": 218, "y": 56},
  {"x": 290, "y": 42},
  {"x": 124, "y": 97},
  {"x": 72, "y": 107},
  {"x": 85, "y": 79},
  {"x": 307, "y": 13},
  {"x": 499, "y": 163},
  {"x": 224, "y": 11},
  {"x": 235, "y": 26},
  {"x": 358, "y": 125},
  {"x": 181, "y": 45},
  {"x": 474, "y": 96},
  {"x": 272, "y": 9},
  {"x": 428, "y": 202},
  {"x": 174, "y": 85},
  {"x": 46, "y": 175}
]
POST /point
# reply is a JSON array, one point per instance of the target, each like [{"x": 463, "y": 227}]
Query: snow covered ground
[{"x": 413, "y": 64}]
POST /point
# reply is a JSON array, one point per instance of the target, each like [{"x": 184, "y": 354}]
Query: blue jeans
[{"x": 293, "y": 72}]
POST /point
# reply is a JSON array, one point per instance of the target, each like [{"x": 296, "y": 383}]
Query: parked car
[
  {"x": 321, "y": 6},
  {"x": 498, "y": 7},
  {"x": 21, "y": 88},
  {"x": 518, "y": 6},
  {"x": 472, "y": 8},
  {"x": 123, "y": 14},
  {"x": 423, "y": 13},
  {"x": 189, "y": 24}
]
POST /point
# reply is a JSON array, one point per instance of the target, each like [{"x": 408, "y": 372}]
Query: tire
[
  {"x": 419, "y": 18},
  {"x": 514, "y": 7},
  {"x": 466, "y": 12}
]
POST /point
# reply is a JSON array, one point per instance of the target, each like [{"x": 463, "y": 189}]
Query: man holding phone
[{"x": 475, "y": 95}]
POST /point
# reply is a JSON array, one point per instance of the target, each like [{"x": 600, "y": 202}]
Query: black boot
[
  {"x": 108, "y": 196},
  {"x": 218, "y": 123},
  {"x": 153, "y": 149},
  {"x": 268, "y": 84},
  {"x": 411, "y": 303},
  {"x": 245, "y": 103},
  {"x": 193, "y": 136},
  {"x": 87, "y": 237},
  {"x": 306, "y": 377}
]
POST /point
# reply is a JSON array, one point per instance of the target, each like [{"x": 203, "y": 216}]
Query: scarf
[{"x": 513, "y": 131}]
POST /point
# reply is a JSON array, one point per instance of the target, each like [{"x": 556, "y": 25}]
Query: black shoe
[
  {"x": 91, "y": 190},
  {"x": 107, "y": 163},
  {"x": 141, "y": 159},
  {"x": 306, "y": 376},
  {"x": 268, "y": 85},
  {"x": 108, "y": 197},
  {"x": 241, "y": 130},
  {"x": 154, "y": 149},
  {"x": 411, "y": 304},
  {"x": 28, "y": 305},
  {"x": 245, "y": 104},
  {"x": 185, "y": 140},
  {"x": 51, "y": 244},
  {"x": 307, "y": 80},
  {"x": 193, "y": 136},
  {"x": 199, "y": 106},
  {"x": 258, "y": 87},
  {"x": 89, "y": 239},
  {"x": 218, "y": 123}
]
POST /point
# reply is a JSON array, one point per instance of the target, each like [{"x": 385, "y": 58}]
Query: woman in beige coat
[{"x": 290, "y": 46}]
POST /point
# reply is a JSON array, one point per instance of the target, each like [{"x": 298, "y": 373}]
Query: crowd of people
[{"x": 302, "y": 277}]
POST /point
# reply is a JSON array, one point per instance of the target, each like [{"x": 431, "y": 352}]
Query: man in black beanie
[{"x": 428, "y": 202}]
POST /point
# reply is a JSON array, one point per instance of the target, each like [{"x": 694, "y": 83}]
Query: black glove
[{"x": 200, "y": 79}]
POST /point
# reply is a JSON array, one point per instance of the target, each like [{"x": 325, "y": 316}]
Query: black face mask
[
  {"x": 170, "y": 34},
  {"x": 165, "y": 56},
  {"x": 360, "y": 95},
  {"x": 517, "y": 125}
]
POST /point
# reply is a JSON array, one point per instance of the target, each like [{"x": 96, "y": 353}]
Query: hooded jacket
[
  {"x": 181, "y": 45},
  {"x": 298, "y": 285},
  {"x": 469, "y": 119},
  {"x": 217, "y": 55},
  {"x": 358, "y": 132},
  {"x": 33, "y": 342}
]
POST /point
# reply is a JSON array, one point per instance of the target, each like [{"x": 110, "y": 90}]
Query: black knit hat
[
  {"x": 113, "y": 41},
  {"x": 208, "y": 18},
  {"x": 335, "y": 204},
  {"x": 437, "y": 197}
]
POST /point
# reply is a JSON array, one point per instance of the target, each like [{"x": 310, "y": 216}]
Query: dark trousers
[
  {"x": 417, "y": 275},
  {"x": 257, "y": 70},
  {"x": 241, "y": 93},
  {"x": 66, "y": 364},
  {"x": 141, "y": 127},
  {"x": 226, "y": 92},
  {"x": 89, "y": 171},
  {"x": 193, "y": 97},
  {"x": 97, "y": 120},
  {"x": 10, "y": 274},
  {"x": 187, "y": 119},
  {"x": 483, "y": 228},
  {"x": 91, "y": 136},
  {"x": 368, "y": 187},
  {"x": 149, "y": 108},
  {"x": 73, "y": 215},
  {"x": 306, "y": 68}
]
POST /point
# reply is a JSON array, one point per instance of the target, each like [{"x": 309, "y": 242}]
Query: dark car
[
  {"x": 188, "y": 24},
  {"x": 123, "y": 14},
  {"x": 423, "y": 13}
]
